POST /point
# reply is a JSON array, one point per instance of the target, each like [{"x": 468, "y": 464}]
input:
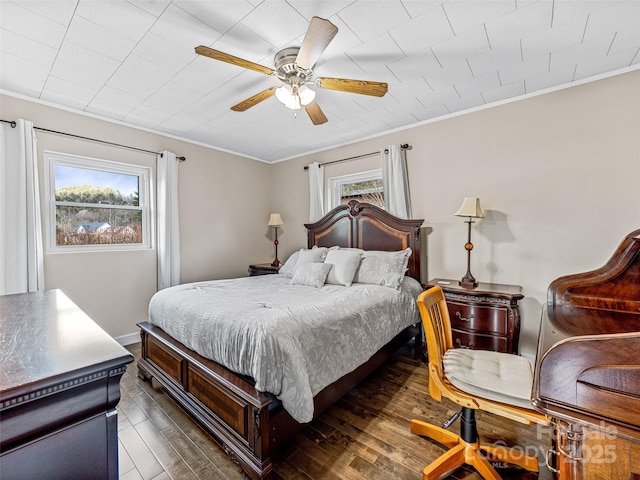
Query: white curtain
[
  {"x": 21, "y": 252},
  {"x": 395, "y": 181},
  {"x": 168, "y": 220},
  {"x": 316, "y": 190}
]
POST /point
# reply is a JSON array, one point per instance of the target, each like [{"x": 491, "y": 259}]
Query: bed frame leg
[
  {"x": 420, "y": 347},
  {"x": 143, "y": 374}
]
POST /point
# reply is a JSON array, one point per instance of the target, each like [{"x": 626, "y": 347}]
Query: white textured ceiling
[{"x": 133, "y": 61}]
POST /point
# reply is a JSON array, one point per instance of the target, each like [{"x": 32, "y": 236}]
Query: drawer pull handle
[
  {"x": 459, "y": 315},
  {"x": 547, "y": 459},
  {"x": 459, "y": 343}
]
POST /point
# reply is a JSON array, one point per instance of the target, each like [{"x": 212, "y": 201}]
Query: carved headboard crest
[{"x": 366, "y": 226}]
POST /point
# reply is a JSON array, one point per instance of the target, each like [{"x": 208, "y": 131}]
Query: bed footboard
[{"x": 234, "y": 413}]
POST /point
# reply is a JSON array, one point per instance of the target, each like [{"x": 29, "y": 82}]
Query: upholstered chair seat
[{"x": 502, "y": 377}]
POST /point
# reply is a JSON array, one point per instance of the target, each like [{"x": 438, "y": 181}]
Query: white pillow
[
  {"x": 345, "y": 263},
  {"x": 302, "y": 256},
  {"x": 314, "y": 255},
  {"x": 311, "y": 274},
  {"x": 323, "y": 250},
  {"x": 351, "y": 249},
  {"x": 383, "y": 268},
  {"x": 289, "y": 266}
]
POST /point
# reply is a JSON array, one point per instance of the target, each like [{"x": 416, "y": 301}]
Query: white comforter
[{"x": 292, "y": 340}]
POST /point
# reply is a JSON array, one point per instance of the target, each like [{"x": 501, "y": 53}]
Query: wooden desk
[
  {"x": 590, "y": 386},
  {"x": 587, "y": 374},
  {"x": 59, "y": 386}
]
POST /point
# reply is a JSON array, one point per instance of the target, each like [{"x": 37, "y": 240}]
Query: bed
[{"x": 249, "y": 423}]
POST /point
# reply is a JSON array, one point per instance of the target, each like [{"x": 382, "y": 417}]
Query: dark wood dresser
[
  {"x": 486, "y": 317},
  {"x": 59, "y": 386},
  {"x": 262, "y": 269}
]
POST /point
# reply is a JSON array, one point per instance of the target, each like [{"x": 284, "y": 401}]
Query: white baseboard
[{"x": 128, "y": 339}]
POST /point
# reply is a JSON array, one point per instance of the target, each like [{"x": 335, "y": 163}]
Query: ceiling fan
[{"x": 294, "y": 68}]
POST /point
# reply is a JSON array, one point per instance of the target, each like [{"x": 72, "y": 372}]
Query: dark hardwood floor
[{"x": 364, "y": 436}]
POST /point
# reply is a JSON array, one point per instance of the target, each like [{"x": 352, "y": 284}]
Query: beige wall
[
  {"x": 224, "y": 208},
  {"x": 558, "y": 176}
]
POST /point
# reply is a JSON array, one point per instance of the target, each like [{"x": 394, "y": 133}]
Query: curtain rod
[
  {"x": 405, "y": 146},
  {"x": 13, "y": 125}
]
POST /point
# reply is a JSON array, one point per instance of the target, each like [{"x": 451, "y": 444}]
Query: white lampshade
[
  {"x": 294, "y": 103},
  {"x": 470, "y": 208},
  {"x": 295, "y": 98},
  {"x": 306, "y": 95},
  {"x": 275, "y": 220},
  {"x": 283, "y": 93}
]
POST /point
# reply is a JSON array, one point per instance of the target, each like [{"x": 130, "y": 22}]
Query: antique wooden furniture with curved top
[
  {"x": 474, "y": 389},
  {"x": 248, "y": 423},
  {"x": 588, "y": 367}
]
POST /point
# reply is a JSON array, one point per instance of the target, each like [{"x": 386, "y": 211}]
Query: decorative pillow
[
  {"x": 289, "y": 266},
  {"x": 323, "y": 250},
  {"x": 302, "y": 256},
  {"x": 314, "y": 255},
  {"x": 351, "y": 249},
  {"x": 345, "y": 263},
  {"x": 311, "y": 274},
  {"x": 383, "y": 268}
]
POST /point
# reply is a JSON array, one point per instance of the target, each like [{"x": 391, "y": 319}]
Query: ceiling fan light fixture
[
  {"x": 284, "y": 93},
  {"x": 287, "y": 97},
  {"x": 306, "y": 95},
  {"x": 294, "y": 98},
  {"x": 294, "y": 103}
]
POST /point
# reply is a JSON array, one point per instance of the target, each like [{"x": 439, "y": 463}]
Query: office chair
[{"x": 495, "y": 382}]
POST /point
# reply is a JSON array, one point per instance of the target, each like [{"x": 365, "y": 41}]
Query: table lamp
[
  {"x": 275, "y": 220},
  {"x": 470, "y": 208}
]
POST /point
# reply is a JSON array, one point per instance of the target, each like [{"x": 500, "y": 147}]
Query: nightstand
[
  {"x": 263, "y": 269},
  {"x": 485, "y": 317}
]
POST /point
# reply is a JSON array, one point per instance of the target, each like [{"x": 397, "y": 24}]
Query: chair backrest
[{"x": 437, "y": 330}]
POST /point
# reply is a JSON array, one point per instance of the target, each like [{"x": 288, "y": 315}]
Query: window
[
  {"x": 364, "y": 187},
  {"x": 96, "y": 204}
]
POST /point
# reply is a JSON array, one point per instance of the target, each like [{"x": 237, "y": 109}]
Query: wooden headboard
[{"x": 366, "y": 226}]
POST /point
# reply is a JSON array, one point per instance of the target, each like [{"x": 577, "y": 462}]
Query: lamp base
[
  {"x": 276, "y": 262},
  {"x": 468, "y": 281}
]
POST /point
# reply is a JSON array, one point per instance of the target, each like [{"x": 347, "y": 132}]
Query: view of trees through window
[
  {"x": 89, "y": 212},
  {"x": 370, "y": 191}
]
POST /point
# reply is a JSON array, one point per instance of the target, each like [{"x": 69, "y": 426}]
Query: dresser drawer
[
  {"x": 478, "y": 341},
  {"x": 262, "y": 269},
  {"x": 478, "y": 317},
  {"x": 485, "y": 317}
]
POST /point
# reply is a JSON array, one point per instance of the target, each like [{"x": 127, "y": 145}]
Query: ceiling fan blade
[
  {"x": 315, "y": 113},
  {"x": 318, "y": 36},
  {"x": 363, "y": 87},
  {"x": 251, "y": 101},
  {"x": 240, "y": 62}
]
